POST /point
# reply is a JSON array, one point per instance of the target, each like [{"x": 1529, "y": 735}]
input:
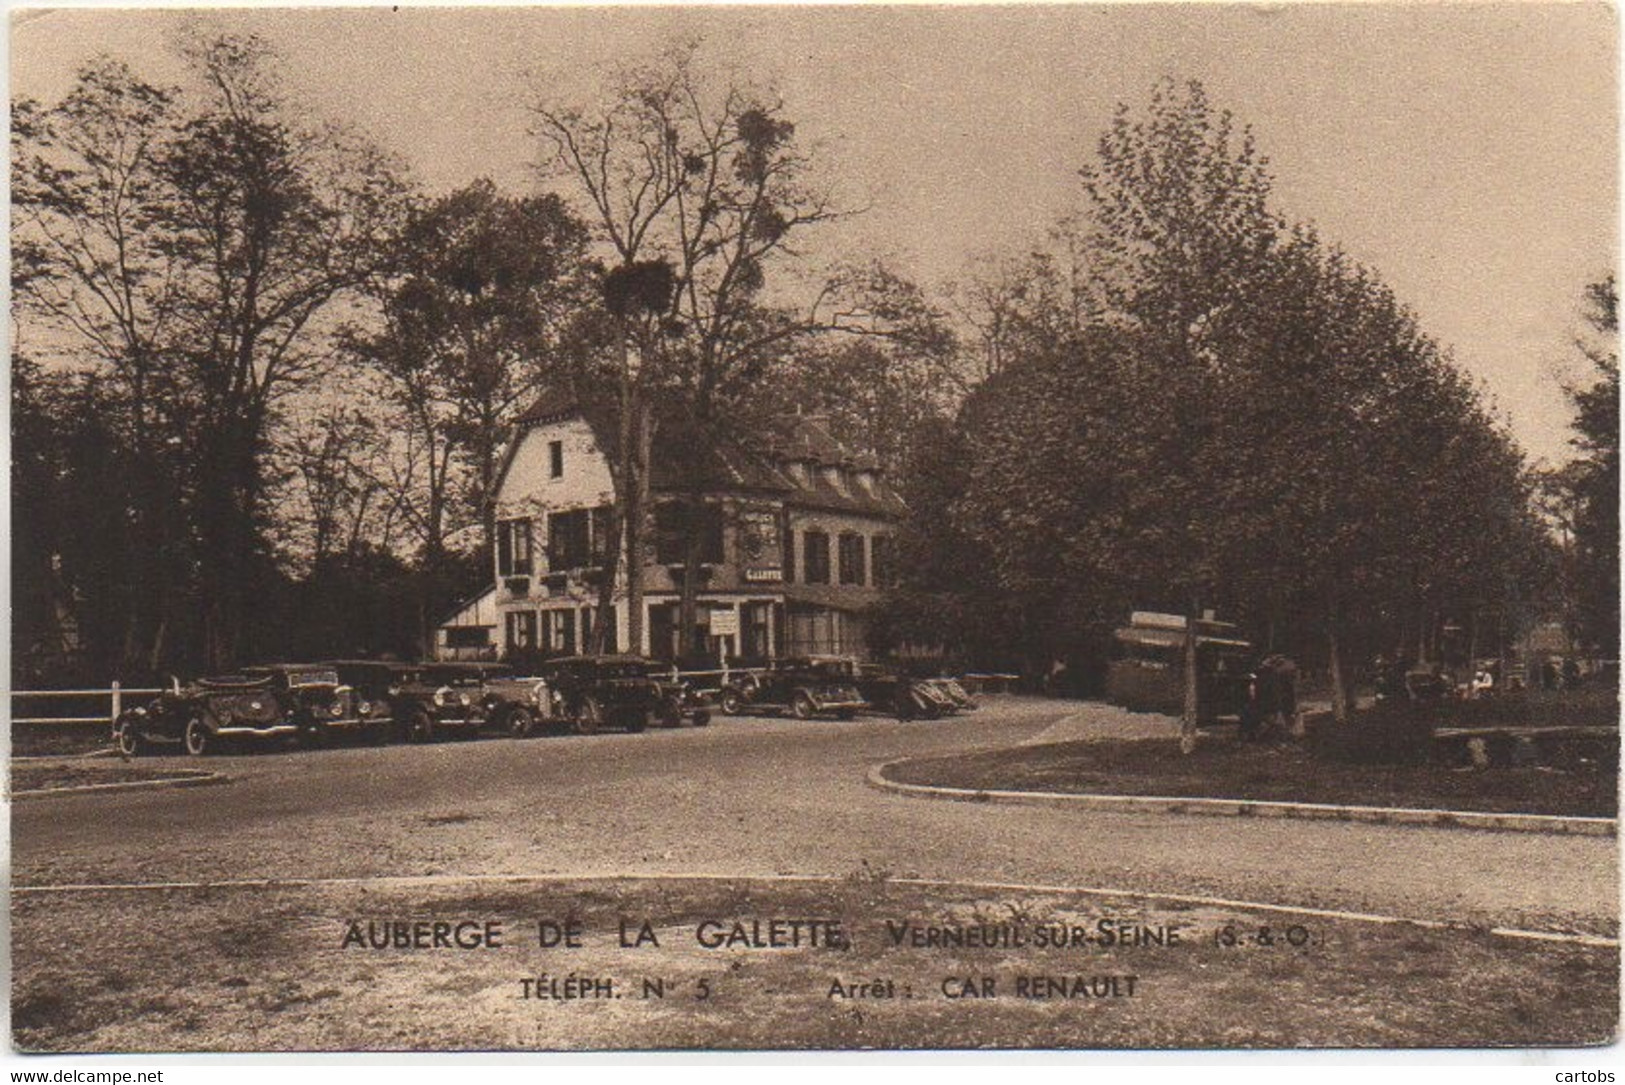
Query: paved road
[{"x": 755, "y": 796}]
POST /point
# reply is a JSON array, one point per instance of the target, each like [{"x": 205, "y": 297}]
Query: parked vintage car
[
  {"x": 261, "y": 703},
  {"x": 586, "y": 693},
  {"x": 555, "y": 695},
  {"x": 680, "y": 702},
  {"x": 422, "y": 700},
  {"x": 909, "y": 697},
  {"x": 517, "y": 705},
  {"x": 314, "y": 698},
  {"x": 806, "y": 685}
]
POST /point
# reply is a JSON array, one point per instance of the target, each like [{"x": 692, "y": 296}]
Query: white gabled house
[{"x": 797, "y": 544}]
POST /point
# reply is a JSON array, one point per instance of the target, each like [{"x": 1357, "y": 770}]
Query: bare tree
[
  {"x": 96, "y": 287},
  {"x": 334, "y": 458},
  {"x": 705, "y": 178}
]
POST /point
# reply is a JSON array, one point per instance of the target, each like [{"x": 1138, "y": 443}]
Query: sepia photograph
[{"x": 882, "y": 527}]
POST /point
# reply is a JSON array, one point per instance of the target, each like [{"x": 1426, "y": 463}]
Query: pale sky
[{"x": 1467, "y": 152}]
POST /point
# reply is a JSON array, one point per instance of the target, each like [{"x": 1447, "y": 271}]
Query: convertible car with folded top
[
  {"x": 271, "y": 701},
  {"x": 908, "y": 696}
]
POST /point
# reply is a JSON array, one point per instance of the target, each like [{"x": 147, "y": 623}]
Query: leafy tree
[
  {"x": 1178, "y": 226},
  {"x": 476, "y": 307},
  {"x": 888, "y": 367},
  {"x": 1590, "y": 483},
  {"x": 331, "y": 463},
  {"x": 1227, "y": 413},
  {"x": 186, "y": 244},
  {"x": 270, "y": 221},
  {"x": 483, "y": 292}
]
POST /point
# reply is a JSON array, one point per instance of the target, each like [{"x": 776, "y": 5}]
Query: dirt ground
[{"x": 294, "y": 968}]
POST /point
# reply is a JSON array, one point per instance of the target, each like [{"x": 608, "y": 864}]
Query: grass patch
[
  {"x": 152, "y": 972},
  {"x": 1587, "y": 706},
  {"x": 1224, "y": 768},
  {"x": 59, "y": 739},
  {"x": 37, "y": 776}
]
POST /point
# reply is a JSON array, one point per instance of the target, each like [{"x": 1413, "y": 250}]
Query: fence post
[{"x": 116, "y": 703}]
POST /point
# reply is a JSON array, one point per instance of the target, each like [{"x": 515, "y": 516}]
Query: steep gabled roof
[
  {"x": 550, "y": 406},
  {"x": 731, "y": 465}
]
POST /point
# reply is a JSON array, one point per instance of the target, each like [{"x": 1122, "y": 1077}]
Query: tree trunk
[
  {"x": 488, "y": 503},
  {"x": 229, "y": 498},
  {"x": 434, "y": 548},
  {"x": 636, "y": 439},
  {"x": 688, "y": 606},
  {"x": 1188, "y": 719},
  {"x": 611, "y": 561},
  {"x": 157, "y": 655},
  {"x": 1340, "y": 696}
]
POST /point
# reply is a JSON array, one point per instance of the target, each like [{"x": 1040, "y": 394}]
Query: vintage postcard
[{"x": 874, "y": 527}]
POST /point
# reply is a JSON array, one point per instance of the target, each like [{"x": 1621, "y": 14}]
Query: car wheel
[
  {"x": 802, "y": 707},
  {"x": 732, "y": 703},
  {"x": 521, "y": 723},
  {"x": 129, "y": 740},
  {"x": 590, "y": 720},
  {"x": 199, "y": 739},
  {"x": 419, "y": 727}
]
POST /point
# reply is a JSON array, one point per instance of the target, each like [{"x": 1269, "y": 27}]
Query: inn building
[{"x": 796, "y": 545}]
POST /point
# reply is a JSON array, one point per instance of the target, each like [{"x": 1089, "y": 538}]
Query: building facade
[{"x": 796, "y": 543}]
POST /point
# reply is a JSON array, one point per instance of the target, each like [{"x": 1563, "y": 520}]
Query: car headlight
[
  {"x": 364, "y": 708},
  {"x": 440, "y": 697},
  {"x": 462, "y": 699}
]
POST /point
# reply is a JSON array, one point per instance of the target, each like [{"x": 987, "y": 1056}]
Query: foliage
[
  {"x": 180, "y": 246},
  {"x": 477, "y": 305},
  {"x": 1194, "y": 401},
  {"x": 1590, "y": 483}
]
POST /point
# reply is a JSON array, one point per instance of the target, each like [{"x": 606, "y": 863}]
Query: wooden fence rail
[{"x": 116, "y": 693}]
